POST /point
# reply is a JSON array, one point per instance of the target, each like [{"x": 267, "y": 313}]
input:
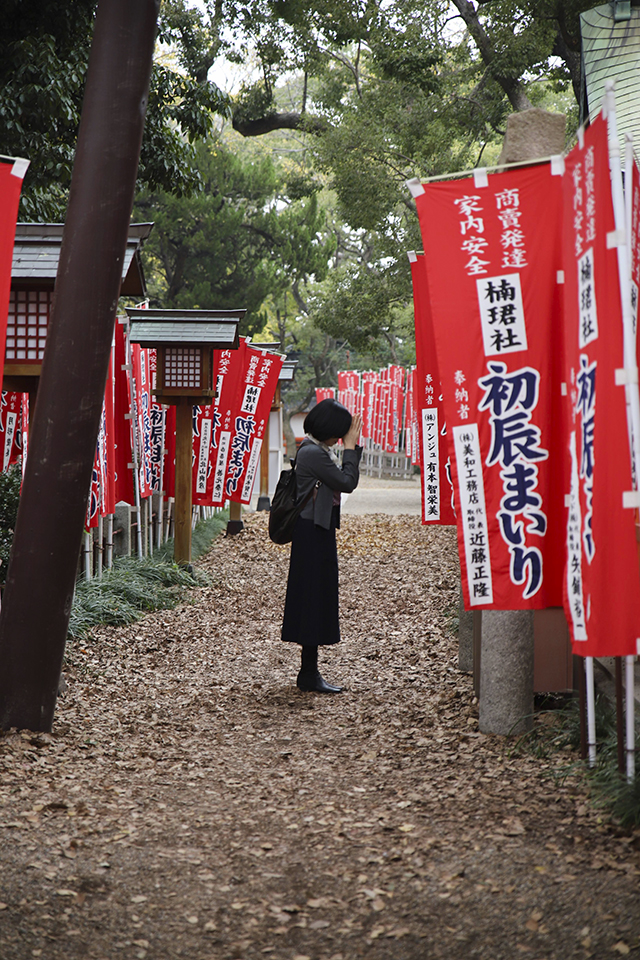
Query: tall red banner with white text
[
  {"x": 248, "y": 421},
  {"x": 10, "y": 428},
  {"x": 435, "y": 464},
  {"x": 602, "y": 592},
  {"x": 493, "y": 266}
]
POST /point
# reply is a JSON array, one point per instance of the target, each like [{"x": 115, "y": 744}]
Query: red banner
[
  {"x": 102, "y": 492},
  {"x": 206, "y": 421},
  {"x": 325, "y": 393},
  {"x": 602, "y": 593},
  {"x": 229, "y": 368},
  {"x": 11, "y": 176},
  {"x": 368, "y": 404},
  {"x": 140, "y": 399},
  {"x": 24, "y": 429},
  {"x": 10, "y": 428},
  {"x": 158, "y": 418},
  {"x": 122, "y": 418},
  {"x": 435, "y": 464},
  {"x": 492, "y": 264},
  {"x": 248, "y": 420}
]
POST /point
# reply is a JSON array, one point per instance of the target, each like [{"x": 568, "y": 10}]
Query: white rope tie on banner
[
  {"x": 480, "y": 178},
  {"x": 616, "y": 238},
  {"x": 20, "y": 167},
  {"x": 631, "y": 499},
  {"x": 557, "y": 165},
  {"x": 415, "y": 187},
  {"x": 624, "y": 376},
  {"x": 412, "y": 255}
]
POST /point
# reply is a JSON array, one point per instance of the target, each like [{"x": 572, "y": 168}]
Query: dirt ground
[{"x": 192, "y": 803}]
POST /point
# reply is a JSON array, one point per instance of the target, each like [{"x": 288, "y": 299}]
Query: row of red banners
[
  {"x": 380, "y": 398},
  {"x": 389, "y": 399},
  {"x": 135, "y": 453},
  {"x": 518, "y": 318},
  {"x": 136, "y": 430}
]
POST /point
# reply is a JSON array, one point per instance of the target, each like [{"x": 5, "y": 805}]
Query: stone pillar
[
  {"x": 506, "y": 678},
  {"x": 465, "y": 636},
  {"x": 122, "y": 530},
  {"x": 532, "y": 134},
  {"x": 506, "y": 669}
]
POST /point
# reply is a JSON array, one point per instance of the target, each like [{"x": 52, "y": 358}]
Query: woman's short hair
[{"x": 328, "y": 419}]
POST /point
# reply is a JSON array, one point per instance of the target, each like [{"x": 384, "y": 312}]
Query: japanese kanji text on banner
[{"x": 493, "y": 266}]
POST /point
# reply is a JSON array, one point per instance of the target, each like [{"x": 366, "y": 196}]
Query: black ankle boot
[
  {"x": 316, "y": 683},
  {"x": 309, "y": 678}
]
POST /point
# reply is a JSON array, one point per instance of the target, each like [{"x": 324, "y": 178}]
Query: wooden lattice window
[
  {"x": 27, "y": 324},
  {"x": 183, "y": 368}
]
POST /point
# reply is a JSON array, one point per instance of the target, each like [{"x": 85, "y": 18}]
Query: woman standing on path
[{"x": 311, "y": 607}]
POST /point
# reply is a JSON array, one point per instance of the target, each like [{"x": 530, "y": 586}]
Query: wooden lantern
[
  {"x": 184, "y": 341},
  {"x": 36, "y": 253}
]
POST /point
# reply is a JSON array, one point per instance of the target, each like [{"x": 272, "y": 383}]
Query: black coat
[
  {"x": 311, "y": 607},
  {"x": 315, "y": 463}
]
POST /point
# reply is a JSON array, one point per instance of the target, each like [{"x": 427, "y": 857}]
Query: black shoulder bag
[{"x": 285, "y": 506}]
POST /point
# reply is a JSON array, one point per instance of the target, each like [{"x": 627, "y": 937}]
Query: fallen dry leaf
[{"x": 185, "y": 752}]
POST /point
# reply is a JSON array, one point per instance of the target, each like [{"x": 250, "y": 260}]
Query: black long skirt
[{"x": 311, "y": 606}]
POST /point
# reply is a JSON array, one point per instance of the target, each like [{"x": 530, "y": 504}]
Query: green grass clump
[
  {"x": 613, "y": 792},
  {"x": 609, "y": 790},
  {"x": 129, "y": 589},
  {"x": 133, "y": 587}
]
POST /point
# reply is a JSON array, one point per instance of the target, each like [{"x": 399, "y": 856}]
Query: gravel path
[
  {"x": 192, "y": 803},
  {"x": 392, "y": 497}
]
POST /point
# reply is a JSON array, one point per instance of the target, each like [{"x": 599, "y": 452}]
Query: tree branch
[
  {"x": 279, "y": 121},
  {"x": 512, "y": 86},
  {"x": 299, "y": 299},
  {"x": 572, "y": 59}
]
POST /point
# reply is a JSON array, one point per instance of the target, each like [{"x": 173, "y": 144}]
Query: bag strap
[{"x": 314, "y": 489}]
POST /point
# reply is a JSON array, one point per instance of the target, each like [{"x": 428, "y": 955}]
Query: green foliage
[
  {"x": 559, "y": 730},
  {"x": 10, "y": 482},
  {"x": 391, "y": 91},
  {"x": 237, "y": 242},
  {"x": 43, "y": 68},
  {"x": 202, "y": 537},
  {"x": 133, "y": 587},
  {"x": 367, "y": 306},
  {"x": 617, "y": 795},
  {"x": 129, "y": 589}
]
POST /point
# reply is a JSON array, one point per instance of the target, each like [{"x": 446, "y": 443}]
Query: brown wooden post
[
  {"x": 235, "y": 524},
  {"x": 41, "y": 578},
  {"x": 263, "y": 499},
  {"x": 183, "y": 504}
]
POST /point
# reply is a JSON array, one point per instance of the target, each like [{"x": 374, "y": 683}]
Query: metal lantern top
[
  {"x": 185, "y": 341},
  {"x": 217, "y": 329}
]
